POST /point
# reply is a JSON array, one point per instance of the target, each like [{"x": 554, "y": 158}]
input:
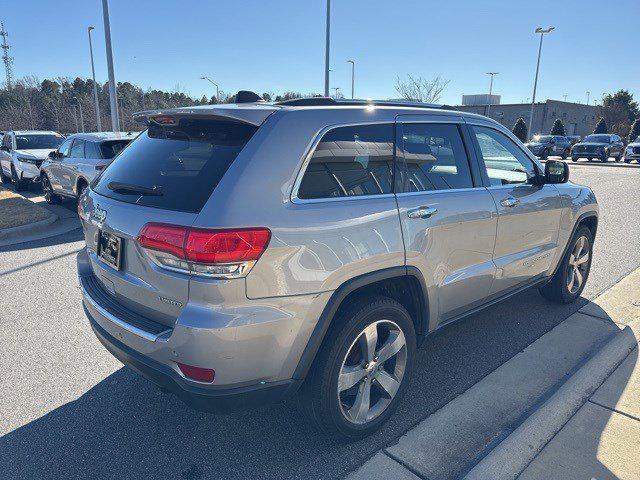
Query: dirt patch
[{"x": 15, "y": 210}]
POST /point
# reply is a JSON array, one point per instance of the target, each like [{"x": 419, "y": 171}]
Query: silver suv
[{"x": 238, "y": 254}]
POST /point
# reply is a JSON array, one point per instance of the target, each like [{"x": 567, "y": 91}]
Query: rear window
[
  {"x": 175, "y": 167},
  {"x": 112, "y": 148}
]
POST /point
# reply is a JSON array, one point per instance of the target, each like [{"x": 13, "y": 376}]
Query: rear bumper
[{"x": 199, "y": 398}]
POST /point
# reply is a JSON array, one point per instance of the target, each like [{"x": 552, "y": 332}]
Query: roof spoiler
[{"x": 329, "y": 101}]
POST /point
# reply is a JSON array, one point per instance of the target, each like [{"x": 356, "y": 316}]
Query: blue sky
[{"x": 278, "y": 45}]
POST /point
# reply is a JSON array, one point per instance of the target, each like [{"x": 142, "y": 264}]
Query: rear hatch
[{"x": 164, "y": 176}]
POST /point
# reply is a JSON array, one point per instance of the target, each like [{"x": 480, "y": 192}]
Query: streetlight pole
[
  {"x": 588, "y": 95},
  {"x": 80, "y": 109},
  {"x": 95, "y": 86},
  {"x": 490, "y": 91},
  {"x": 216, "y": 85},
  {"x": 113, "y": 99},
  {"x": 353, "y": 76},
  {"x": 326, "y": 51},
  {"x": 541, "y": 31}
]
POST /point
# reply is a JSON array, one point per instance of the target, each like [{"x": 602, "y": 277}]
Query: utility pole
[
  {"x": 95, "y": 85},
  {"x": 588, "y": 95},
  {"x": 113, "y": 99},
  {"x": 541, "y": 31},
  {"x": 326, "y": 50},
  {"x": 216, "y": 85},
  {"x": 490, "y": 91},
  {"x": 6, "y": 58},
  {"x": 353, "y": 76}
]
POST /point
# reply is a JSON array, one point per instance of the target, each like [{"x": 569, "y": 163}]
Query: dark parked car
[
  {"x": 601, "y": 146},
  {"x": 543, "y": 146}
]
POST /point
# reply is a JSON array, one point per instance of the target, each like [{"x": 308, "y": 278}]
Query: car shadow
[{"x": 123, "y": 427}]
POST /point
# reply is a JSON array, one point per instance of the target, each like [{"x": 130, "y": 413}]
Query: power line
[{"x": 6, "y": 58}]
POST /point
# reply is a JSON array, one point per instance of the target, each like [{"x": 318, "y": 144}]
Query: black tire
[
  {"x": 320, "y": 397},
  {"x": 559, "y": 289},
  {"x": 565, "y": 154},
  {"x": 574, "y": 159},
  {"x": 18, "y": 184},
  {"x": 544, "y": 155},
  {"x": 605, "y": 158},
  {"x": 590, "y": 159},
  {"x": 47, "y": 190},
  {"x": 618, "y": 158},
  {"x": 3, "y": 178}
]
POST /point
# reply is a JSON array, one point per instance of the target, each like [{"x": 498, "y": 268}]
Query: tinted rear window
[
  {"x": 112, "y": 148},
  {"x": 184, "y": 162}
]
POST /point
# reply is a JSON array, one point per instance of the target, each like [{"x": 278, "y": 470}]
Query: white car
[
  {"x": 632, "y": 152},
  {"x": 22, "y": 153},
  {"x": 72, "y": 167}
]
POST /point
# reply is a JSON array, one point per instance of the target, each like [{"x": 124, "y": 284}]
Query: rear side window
[
  {"x": 175, "y": 167},
  {"x": 434, "y": 158},
  {"x": 350, "y": 161},
  {"x": 112, "y": 148},
  {"x": 91, "y": 150}
]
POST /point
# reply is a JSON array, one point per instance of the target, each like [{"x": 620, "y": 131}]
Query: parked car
[
  {"x": 632, "y": 152},
  {"x": 238, "y": 254},
  {"x": 81, "y": 157},
  {"x": 600, "y": 146},
  {"x": 574, "y": 139},
  {"x": 544, "y": 146},
  {"x": 22, "y": 153}
]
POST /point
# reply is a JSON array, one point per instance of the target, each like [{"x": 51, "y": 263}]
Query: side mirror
[
  {"x": 556, "y": 171},
  {"x": 4, "y": 148},
  {"x": 53, "y": 155}
]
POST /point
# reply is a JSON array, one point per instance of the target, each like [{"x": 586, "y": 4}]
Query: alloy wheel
[
  {"x": 578, "y": 264},
  {"x": 372, "y": 371},
  {"x": 46, "y": 188}
]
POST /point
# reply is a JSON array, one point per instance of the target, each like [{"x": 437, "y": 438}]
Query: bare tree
[{"x": 420, "y": 89}]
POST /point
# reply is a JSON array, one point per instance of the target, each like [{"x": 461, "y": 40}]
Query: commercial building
[{"x": 578, "y": 118}]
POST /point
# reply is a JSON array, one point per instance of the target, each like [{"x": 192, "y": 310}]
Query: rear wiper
[{"x": 128, "y": 188}]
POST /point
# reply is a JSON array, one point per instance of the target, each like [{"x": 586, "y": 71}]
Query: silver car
[
  {"x": 72, "y": 167},
  {"x": 239, "y": 254}
]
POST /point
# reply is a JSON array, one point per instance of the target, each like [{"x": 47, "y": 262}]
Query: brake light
[
  {"x": 222, "y": 253},
  {"x": 165, "y": 120},
  {"x": 197, "y": 373}
]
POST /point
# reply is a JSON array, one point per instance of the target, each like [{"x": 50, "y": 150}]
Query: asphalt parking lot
[{"x": 70, "y": 410}]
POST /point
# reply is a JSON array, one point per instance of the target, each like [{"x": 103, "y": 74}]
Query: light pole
[
  {"x": 80, "y": 109},
  {"x": 217, "y": 88},
  {"x": 326, "y": 51},
  {"x": 353, "y": 76},
  {"x": 490, "y": 90},
  {"x": 541, "y": 31},
  {"x": 588, "y": 95},
  {"x": 113, "y": 99},
  {"x": 95, "y": 86}
]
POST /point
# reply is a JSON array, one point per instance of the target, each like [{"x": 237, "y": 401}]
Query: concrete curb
[
  {"x": 515, "y": 453},
  {"x": 28, "y": 229}
]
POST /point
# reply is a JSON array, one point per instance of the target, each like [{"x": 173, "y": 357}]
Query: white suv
[{"x": 21, "y": 154}]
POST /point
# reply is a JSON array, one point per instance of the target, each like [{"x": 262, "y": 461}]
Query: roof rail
[{"x": 328, "y": 101}]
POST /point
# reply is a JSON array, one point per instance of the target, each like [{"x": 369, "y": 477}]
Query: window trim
[
  {"x": 480, "y": 160},
  {"x": 293, "y": 197}
]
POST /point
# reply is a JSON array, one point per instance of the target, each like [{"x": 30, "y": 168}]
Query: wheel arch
[
  {"x": 404, "y": 284},
  {"x": 80, "y": 180},
  {"x": 588, "y": 219}
]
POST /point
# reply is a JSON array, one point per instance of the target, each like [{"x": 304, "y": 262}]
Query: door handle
[
  {"x": 422, "y": 212},
  {"x": 509, "y": 202}
]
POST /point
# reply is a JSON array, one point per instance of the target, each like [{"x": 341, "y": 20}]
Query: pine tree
[
  {"x": 558, "y": 128},
  {"x": 520, "y": 130},
  {"x": 601, "y": 127},
  {"x": 634, "y": 133}
]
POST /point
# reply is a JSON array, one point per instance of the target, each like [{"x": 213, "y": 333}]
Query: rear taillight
[{"x": 222, "y": 253}]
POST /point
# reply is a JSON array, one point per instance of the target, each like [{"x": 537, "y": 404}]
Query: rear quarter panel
[{"x": 314, "y": 247}]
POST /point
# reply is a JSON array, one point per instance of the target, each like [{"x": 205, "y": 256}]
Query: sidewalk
[{"x": 566, "y": 407}]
